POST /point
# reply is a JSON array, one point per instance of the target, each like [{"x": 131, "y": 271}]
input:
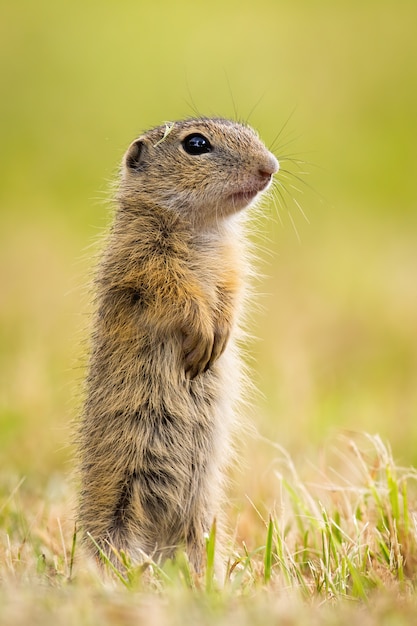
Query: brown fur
[{"x": 164, "y": 373}]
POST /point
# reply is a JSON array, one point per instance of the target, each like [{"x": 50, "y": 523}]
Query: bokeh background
[{"x": 336, "y": 328}]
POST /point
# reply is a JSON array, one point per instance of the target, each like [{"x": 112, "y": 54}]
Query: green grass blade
[
  {"x": 210, "y": 555},
  {"x": 107, "y": 561},
  {"x": 72, "y": 555},
  {"x": 268, "y": 552}
]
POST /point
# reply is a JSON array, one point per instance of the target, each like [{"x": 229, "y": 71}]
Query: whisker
[
  {"x": 291, "y": 158},
  {"x": 296, "y": 162},
  {"x": 291, "y": 183},
  {"x": 301, "y": 210},
  {"x": 289, "y": 140},
  {"x": 277, "y": 208},
  {"x": 235, "y": 111},
  {"x": 297, "y": 204},
  {"x": 192, "y": 105},
  {"x": 254, "y": 107},
  {"x": 285, "y": 205},
  {"x": 302, "y": 181},
  {"x": 271, "y": 147},
  {"x": 300, "y": 173},
  {"x": 281, "y": 195},
  {"x": 294, "y": 226},
  {"x": 297, "y": 189}
]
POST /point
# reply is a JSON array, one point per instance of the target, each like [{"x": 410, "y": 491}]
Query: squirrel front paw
[
  {"x": 202, "y": 349},
  {"x": 221, "y": 336},
  {"x": 198, "y": 348}
]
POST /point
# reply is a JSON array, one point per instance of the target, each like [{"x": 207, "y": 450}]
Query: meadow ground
[{"x": 322, "y": 515}]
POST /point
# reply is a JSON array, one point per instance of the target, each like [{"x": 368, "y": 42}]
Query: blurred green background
[{"x": 337, "y": 327}]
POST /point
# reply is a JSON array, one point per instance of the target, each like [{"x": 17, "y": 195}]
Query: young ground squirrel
[{"x": 164, "y": 372}]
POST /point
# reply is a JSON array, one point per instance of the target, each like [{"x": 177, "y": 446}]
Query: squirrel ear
[{"x": 134, "y": 154}]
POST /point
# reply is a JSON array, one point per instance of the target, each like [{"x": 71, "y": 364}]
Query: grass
[{"x": 348, "y": 540}]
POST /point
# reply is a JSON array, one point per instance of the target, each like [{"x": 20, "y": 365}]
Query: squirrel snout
[{"x": 269, "y": 167}]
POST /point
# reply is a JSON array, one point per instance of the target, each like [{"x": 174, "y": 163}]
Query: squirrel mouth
[{"x": 245, "y": 196}]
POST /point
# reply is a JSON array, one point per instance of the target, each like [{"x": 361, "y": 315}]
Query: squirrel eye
[{"x": 196, "y": 144}]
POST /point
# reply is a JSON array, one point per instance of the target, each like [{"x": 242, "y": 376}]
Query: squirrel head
[{"x": 205, "y": 169}]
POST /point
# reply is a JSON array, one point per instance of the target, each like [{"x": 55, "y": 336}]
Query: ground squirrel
[{"x": 164, "y": 373}]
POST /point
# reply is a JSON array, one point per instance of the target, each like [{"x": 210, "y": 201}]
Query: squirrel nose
[
  {"x": 264, "y": 174},
  {"x": 269, "y": 167}
]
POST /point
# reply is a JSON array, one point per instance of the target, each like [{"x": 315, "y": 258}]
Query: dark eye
[{"x": 196, "y": 144}]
